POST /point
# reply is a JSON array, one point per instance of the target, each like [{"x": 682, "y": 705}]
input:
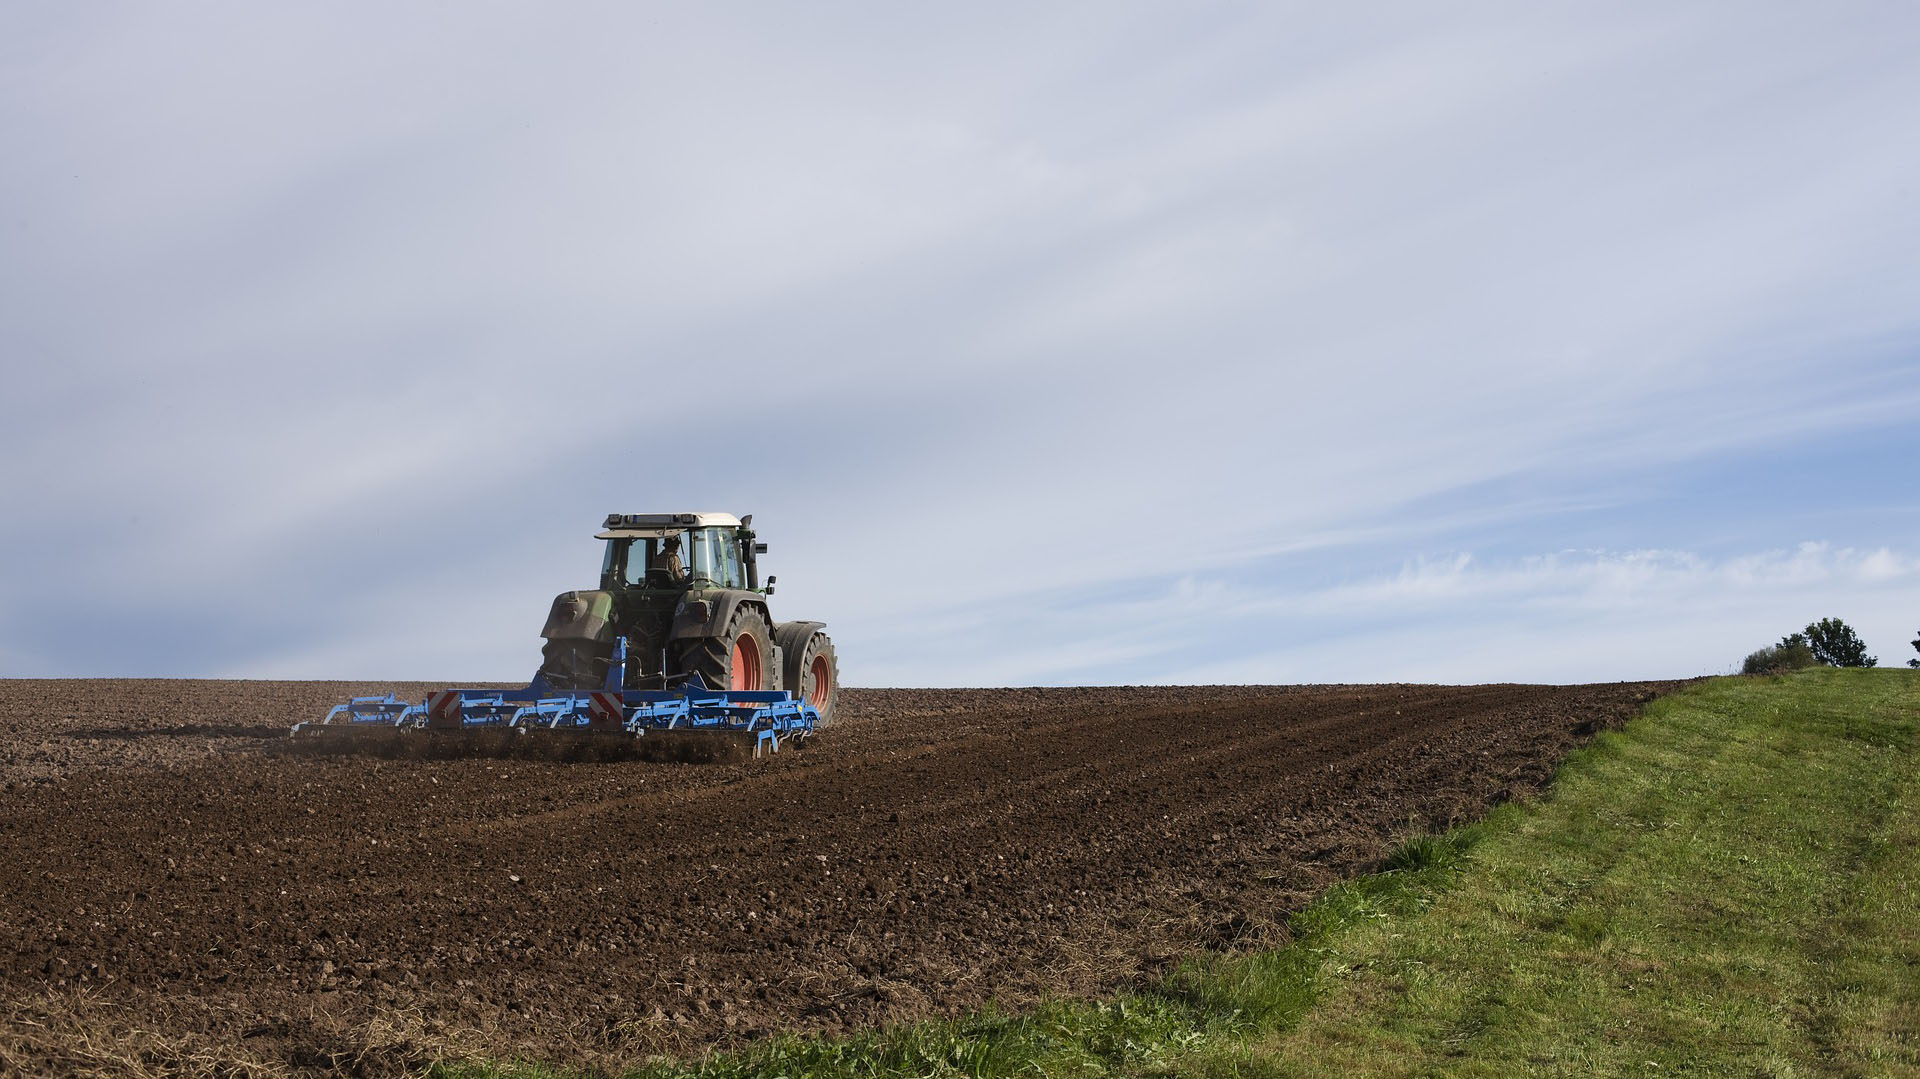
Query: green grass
[{"x": 1729, "y": 886}]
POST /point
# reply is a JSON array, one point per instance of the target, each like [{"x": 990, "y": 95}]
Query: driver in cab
[{"x": 668, "y": 560}]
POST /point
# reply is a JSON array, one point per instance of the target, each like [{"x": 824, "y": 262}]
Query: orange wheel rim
[
  {"x": 744, "y": 671},
  {"x": 819, "y": 680}
]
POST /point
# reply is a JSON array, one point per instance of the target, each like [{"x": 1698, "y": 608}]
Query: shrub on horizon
[
  {"x": 1791, "y": 654},
  {"x": 1916, "y": 647},
  {"x": 1837, "y": 645}
]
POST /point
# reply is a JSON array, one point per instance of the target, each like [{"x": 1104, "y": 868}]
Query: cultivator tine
[
  {"x": 366, "y": 712},
  {"x": 568, "y": 713}
]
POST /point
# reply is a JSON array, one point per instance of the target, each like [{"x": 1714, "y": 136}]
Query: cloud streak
[{"x": 1571, "y": 616}]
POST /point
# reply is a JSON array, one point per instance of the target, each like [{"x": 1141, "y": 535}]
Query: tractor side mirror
[
  {"x": 769, "y": 588},
  {"x": 760, "y": 548}
]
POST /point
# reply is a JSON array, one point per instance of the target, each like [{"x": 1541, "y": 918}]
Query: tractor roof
[{"x": 647, "y": 525}]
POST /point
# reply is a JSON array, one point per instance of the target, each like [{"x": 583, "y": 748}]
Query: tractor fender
[
  {"x": 710, "y": 615},
  {"x": 580, "y": 616},
  {"x": 792, "y": 636}
]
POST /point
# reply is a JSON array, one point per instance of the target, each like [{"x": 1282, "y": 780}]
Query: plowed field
[{"x": 171, "y": 885}]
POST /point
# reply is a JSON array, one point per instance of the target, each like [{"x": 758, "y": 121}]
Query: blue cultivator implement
[{"x": 688, "y": 720}]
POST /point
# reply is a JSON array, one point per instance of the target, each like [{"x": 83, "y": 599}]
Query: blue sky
[{"x": 1049, "y": 344}]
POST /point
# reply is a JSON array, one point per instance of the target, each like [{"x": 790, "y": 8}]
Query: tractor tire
[
  {"x": 740, "y": 658},
  {"x": 812, "y": 670},
  {"x": 575, "y": 666}
]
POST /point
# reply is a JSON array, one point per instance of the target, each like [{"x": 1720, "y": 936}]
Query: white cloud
[{"x": 309, "y": 312}]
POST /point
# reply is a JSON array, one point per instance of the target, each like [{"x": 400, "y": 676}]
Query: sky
[{"x": 1049, "y": 344}]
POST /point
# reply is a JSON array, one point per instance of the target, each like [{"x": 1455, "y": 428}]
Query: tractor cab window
[
  {"x": 613, "y": 565},
  {"x": 621, "y": 564},
  {"x": 716, "y": 557},
  {"x": 626, "y": 562}
]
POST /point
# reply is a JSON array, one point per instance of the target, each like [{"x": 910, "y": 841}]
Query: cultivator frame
[{"x": 763, "y": 719}]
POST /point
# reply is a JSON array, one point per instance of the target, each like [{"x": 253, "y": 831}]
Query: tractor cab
[{"x": 716, "y": 551}]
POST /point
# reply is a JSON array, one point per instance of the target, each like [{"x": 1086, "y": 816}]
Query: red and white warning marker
[
  {"x": 443, "y": 709},
  {"x": 605, "y": 710}
]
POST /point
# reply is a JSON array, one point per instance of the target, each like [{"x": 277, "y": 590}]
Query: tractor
[
  {"x": 682, "y": 593},
  {"x": 670, "y": 651}
]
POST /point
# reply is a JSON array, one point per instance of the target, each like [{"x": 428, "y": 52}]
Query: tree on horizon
[{"x": 1836, "y": 644}]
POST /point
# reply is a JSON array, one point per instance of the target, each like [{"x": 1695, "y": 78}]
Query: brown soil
[{"x": 173, "y": 889}]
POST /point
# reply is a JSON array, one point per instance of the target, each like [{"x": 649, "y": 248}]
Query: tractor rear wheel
[
  {"x": 740, "y": 658},
  {"x": 812, "y": 671}
]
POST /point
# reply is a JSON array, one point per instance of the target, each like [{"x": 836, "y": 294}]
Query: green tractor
[{"x": 683, "y": 591}]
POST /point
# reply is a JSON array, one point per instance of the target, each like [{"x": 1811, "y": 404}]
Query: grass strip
[{"x": 1729, "y": 885}]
